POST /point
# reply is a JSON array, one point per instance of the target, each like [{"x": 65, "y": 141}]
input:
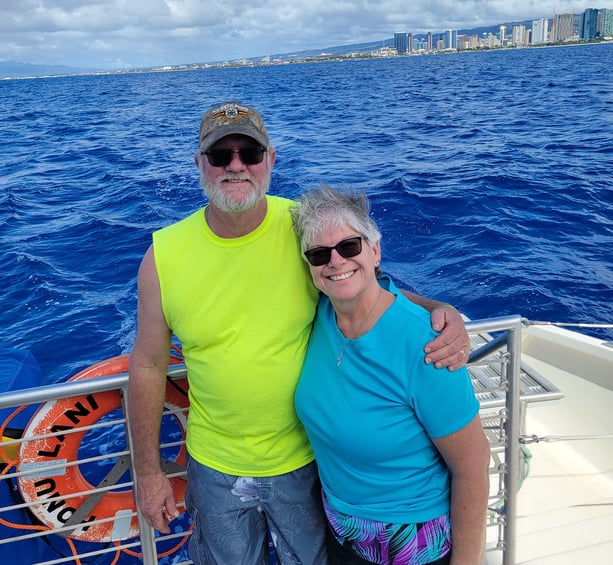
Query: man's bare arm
[{"x": 146, "y": 392}]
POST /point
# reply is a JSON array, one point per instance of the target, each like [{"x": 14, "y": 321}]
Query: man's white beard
[{"x": 225, "y": 202}]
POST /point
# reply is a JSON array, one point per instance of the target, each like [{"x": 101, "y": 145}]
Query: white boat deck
[{"x": 565, "y": 506}]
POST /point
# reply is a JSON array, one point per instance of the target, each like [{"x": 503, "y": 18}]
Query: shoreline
[{"x": 251, "y": 63}]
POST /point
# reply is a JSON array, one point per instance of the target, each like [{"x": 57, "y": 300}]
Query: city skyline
[
  {"x": 114, "y": 34},
  {"x": 589, "y": 25},
  {"x": 562, "y": 29}
]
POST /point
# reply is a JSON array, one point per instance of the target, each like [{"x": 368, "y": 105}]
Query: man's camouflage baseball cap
[{"x": 231, "y": 118}]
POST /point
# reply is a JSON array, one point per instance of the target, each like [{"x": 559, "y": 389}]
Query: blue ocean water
[{"x": 489, "y": 174}]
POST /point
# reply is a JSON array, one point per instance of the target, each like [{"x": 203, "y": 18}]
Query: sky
[{"x": 128, "y": 34}]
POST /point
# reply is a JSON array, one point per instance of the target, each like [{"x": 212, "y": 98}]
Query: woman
[{"x": 402, "y": 456}]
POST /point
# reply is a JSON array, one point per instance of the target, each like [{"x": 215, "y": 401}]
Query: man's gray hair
[{"x": 325, "y": 207}]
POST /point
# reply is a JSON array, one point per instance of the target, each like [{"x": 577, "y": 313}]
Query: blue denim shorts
[{"x": 235, "y": 516}]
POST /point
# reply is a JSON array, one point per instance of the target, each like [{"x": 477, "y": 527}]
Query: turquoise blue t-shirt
[{"x": 370, "y": 419}]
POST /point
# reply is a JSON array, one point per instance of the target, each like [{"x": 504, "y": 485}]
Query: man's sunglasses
[
  {"x": 346, "y": 248},
  {"x": 223, "y": 157}
]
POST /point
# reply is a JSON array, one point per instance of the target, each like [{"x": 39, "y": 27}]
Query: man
[{"x": 230, "y": 283}]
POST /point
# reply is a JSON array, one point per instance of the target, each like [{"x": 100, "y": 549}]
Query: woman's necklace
[
  {"x": 358, "y": 333},
  {"x": 339, "y": 359}
]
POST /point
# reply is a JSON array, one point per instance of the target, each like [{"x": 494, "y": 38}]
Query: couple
[{"x": 230, "y": 282}]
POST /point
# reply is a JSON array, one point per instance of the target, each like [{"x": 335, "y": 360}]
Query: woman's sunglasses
[
  {"x": 346, "y": 248},
  {"x": 223, "y": 157}
]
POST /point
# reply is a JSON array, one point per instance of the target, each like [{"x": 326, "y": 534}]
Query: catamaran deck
[
  {"x": 565, "y": 504},
  {"x": 551, "y": 493}
]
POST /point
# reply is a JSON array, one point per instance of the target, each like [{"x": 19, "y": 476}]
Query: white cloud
[{"x": 99, "y": 33}]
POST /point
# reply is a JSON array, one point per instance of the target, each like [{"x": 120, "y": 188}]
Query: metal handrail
[
  {"x": 510, "y": 339},
  {"x": 511, "y": 470},
  {"x": 72, "y": 389}
]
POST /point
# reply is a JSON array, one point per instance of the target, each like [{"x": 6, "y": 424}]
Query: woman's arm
[{"x": 467, "y": 454}]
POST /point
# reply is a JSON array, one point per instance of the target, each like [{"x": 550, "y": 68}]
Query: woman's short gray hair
[{"x": 325, "y": 207}]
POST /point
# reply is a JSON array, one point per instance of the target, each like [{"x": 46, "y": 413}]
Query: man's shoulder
[
  {"x": 180, "y": 229},
  {"x": 280, "y": 201},
  {"x": 180, "y": 224}
]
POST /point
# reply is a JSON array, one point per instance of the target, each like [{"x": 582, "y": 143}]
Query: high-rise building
[
  {"x": 578, "y": 25},
  {"x": 429, "y": 41},
  {"x": 563, "y": 27},
  {"x": 601, "y": 22},
  {"x": 540, "y": 31},
  {"x": 410, "y": 46},
  {"x": 518, "y": 35},
  {"x": 503, "y": 34},
  {"x": 490, "y": 41},
  {"x": 451, "y": 39},
  {"x": 590, "y": 24},
  {"x": 400, "y": 42},
  {"x": 607, "y": 25}
]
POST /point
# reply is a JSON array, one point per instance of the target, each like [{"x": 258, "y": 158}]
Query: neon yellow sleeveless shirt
[{"x": 242, "y": 309}]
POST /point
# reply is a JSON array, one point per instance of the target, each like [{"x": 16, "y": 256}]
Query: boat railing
[
  {"x": 90, "y": 487},
  {"x": 503, "y": 386}
]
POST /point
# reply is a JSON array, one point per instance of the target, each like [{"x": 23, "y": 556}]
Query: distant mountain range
[
  {"x": 21, "y": 70},
  {"x": 12, "y": 69}
]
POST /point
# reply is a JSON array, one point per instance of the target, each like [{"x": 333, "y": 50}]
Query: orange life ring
[{"x": 54, "y": 492}]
